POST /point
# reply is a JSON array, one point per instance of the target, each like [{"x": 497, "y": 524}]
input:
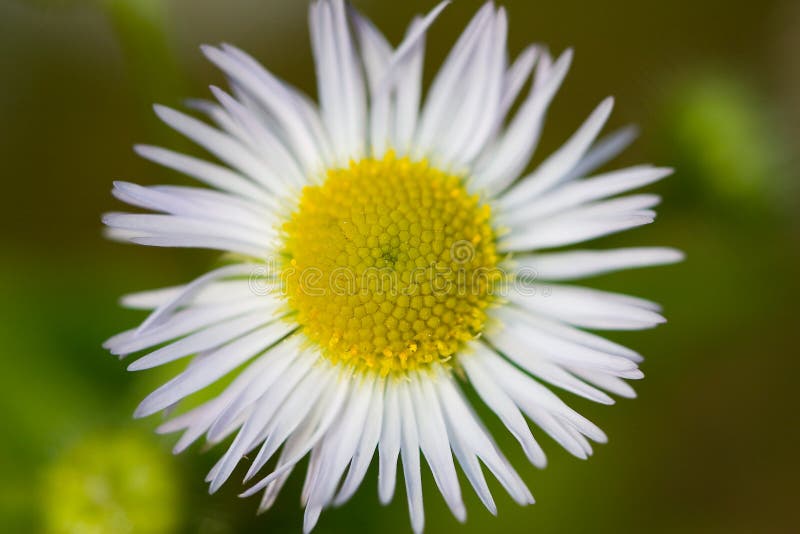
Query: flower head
[{"x": 381, "y": 250}]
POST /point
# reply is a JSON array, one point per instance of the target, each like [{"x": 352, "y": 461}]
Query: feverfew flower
[{"x": 381, "y": 250}]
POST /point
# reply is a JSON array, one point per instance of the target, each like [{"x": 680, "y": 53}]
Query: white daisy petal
[
  {"x": 516, "y": 349},
  {"x": 510, "y": 379},
  {"x": 408, "y": 82},
  {"x": 304, "y": 131},
  {"x": 190, "y": 290},
  {"x": 575, "y": 226},
  {"x": 213, "y": 366},
  {"x": 410, "y": 46},
  {"x": 332, "y": 410},
  {"x": 222, "y": 145},
  {"x": 285, "y": 106},
  {"x": 352, "y": 81},
  {"x": 631, "y": 204},
  {"x": 314, "y": 466},
  {"x": 293, "y": 446},
  {"x": 515, "y": 77},
  {"x": 441, "y": 96},
  {"x": 217, "y": 292},
  {"x": 366, "y": 447},
  {"x": 603, "y": 151},
  {"x": 273, "y": 489},
  {"x": 182, "y": 323},
  {"x": 269, "y": 146},
  {"x": 585, "y": 263},
  {"x": 409, "y": 453},
  {"x": 579, "y": 193},
  {"x": 542, "y": 406},
  {"x": 151, "y": 299},
  {"x": 339, "y": 79},
  {"x": 511, "y": 152},
  {"x": 222, "y": 119},
  {"x": 389, "y": 445},
  {"x": 260, "y": 419},
  {"x": 464, "y": 426},
  {"x": 610, "y": 383},
  {"x": 276, "y": 362},
  {"x": 340, "y": 445},
  {"x": 560, "y": 350},
  {"x": 496, "y": 399},
  {"x": 195, "y": 202},
  {"x": 376, "y": 53},
  {"x": 591, "y": 308},
  {"x": 297, "y": 405},
  {"x": 328, "y": 85},
  {"x": 201, "y": 341},
  {"x": 479, "y": 111},
  {"x": 568, "y": 333},
  {"x": 434, "y": 443},
  {"x": 208, "y": 173},
  {"x": 472, "y": 469},
  {"x": 558, "y": 165},
  {"x": 190, "y": 240},
  {"x": 166, "y": 225},
  {"x": 198, "y": 420}
]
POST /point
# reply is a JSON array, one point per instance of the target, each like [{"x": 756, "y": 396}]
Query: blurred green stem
[{"x": 142, "y": 29}]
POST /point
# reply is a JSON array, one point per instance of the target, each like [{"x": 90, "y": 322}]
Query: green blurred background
[{"x": 710, "y": 444}]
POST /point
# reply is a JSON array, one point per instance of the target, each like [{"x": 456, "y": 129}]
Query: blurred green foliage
[
  {"x": 111, "y": 482},
  {"x": 710, "y": 445},
  {"x": 720, "y": 130}
]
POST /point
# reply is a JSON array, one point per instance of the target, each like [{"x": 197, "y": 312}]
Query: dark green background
[{"x": 710, "y": 444}]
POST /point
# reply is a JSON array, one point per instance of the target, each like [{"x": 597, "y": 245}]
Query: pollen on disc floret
[{"x": 389, "y": 264}]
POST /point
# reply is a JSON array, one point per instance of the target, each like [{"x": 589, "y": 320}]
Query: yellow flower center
[{"x": 389, "y": 264}]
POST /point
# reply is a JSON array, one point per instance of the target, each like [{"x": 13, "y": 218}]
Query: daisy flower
[{"x": 382, "y": 252}]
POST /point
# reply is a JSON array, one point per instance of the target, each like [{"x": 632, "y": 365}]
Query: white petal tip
[
  {"x": 672, "y": 255},
  {"x": 250, "y": 474},
  {"x": 214, "y": 486},
  {"x": 208, "y": 49},
  {"x": 635, "y": 374},
  {"x": 310, "y": 519},
  {"x": 143, "y": 150},
  {"x": 143, "y": 411}
]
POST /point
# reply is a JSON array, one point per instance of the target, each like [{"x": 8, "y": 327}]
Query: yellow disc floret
[{"x": 389, "y": 264}]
